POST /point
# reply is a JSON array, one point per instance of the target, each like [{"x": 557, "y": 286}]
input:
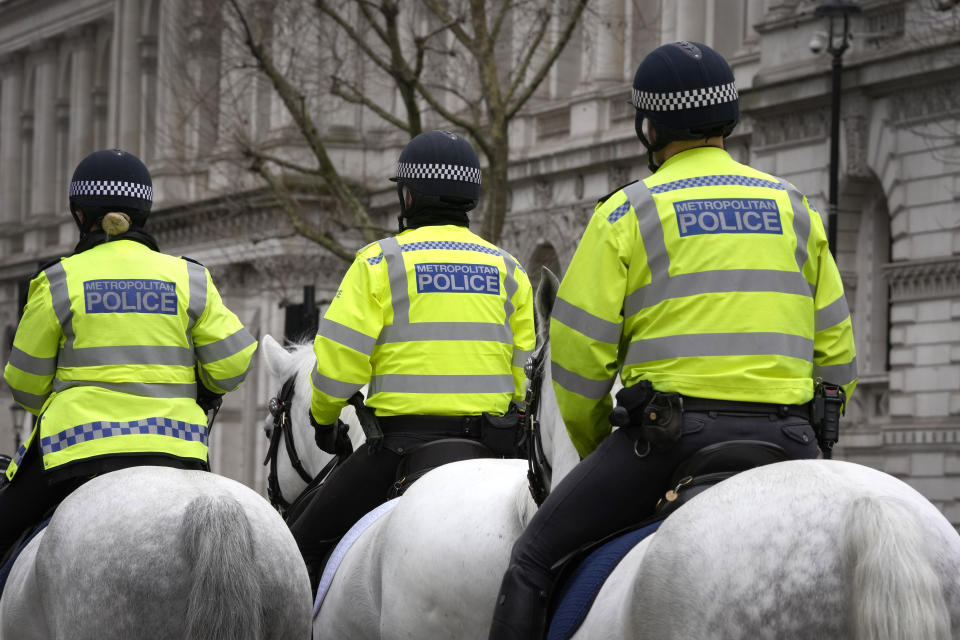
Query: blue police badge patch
[
  {"x": 728, "y": 215},
  {"x": 452, "y": 277},
  {"x": 130, "y": 296}
]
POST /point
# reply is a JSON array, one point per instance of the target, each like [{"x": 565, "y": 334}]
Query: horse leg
[
  {"x": 21, "y": 614},
  {"x": 896, "y": 593}
]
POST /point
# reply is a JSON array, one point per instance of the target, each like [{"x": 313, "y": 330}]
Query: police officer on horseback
[
  {"x": 710, "y": 288},
  {"x": 120, "y": 351},
  {"x": 438, "y": 321}
]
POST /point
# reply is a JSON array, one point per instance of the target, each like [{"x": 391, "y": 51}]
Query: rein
[
  {"x": 279, "y": 407},
  {"x": 539, "y": 470}
]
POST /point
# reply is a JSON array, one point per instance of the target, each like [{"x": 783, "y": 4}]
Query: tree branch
[
  {"x": 357, "y": 97},
  {"x": 528, "y": 56}
]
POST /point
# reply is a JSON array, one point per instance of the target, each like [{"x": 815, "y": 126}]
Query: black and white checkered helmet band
[
  {"x": 111, "y": 188},
  {"x": 433, "y": 171},
  {"x": 680, "y": 100}
]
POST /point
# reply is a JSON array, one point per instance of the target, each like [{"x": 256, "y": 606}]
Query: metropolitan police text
[
  {"x": 727, "y": 215},
  {"x": 130, "y": 296},
  {"x": 439, "y": 277}
]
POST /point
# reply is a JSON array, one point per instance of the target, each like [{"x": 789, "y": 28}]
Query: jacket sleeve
[
  {"x": 586, "y": 326},
  {"x": 524, "y": 333},
  {"x": 223, "y": 346},
  {"x": 33, "y": 359},
  {"x": 346, "y": 337},
  {"x": 834, "y": 353}
]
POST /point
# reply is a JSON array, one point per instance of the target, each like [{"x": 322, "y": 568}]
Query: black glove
[{"x": 332, "y": 438}]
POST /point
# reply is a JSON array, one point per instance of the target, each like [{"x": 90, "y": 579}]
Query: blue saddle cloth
[
  {"x": 581, "y": 589},
  {"x": 8, "y": 565}
]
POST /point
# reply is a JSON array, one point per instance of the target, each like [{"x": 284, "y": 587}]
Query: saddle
[{"x": 583, "y": 572}]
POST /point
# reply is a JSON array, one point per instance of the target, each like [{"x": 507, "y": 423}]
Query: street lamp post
[{"x": 835, "y": 11}]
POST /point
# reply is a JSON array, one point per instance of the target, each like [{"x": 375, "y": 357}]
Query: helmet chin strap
[{"x": 641, "y": 125}]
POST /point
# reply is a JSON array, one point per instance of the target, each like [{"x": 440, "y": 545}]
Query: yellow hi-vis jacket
[
  {"x": 708, "y": 278},
  {"x": 106, "y": 351},
  {"x": 437, "y": 320}
]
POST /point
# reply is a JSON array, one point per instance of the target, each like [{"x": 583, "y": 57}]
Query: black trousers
[
  {"x": 27, "y": 499},
  {"x": 614, "y": 488},
  {"x": 360, "y": 484}
]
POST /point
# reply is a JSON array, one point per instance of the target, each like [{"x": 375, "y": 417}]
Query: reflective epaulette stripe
[
  {"x": 832, "y": 314},
  {"x": 801, "y": 225},
  {"x": 719, "y": 344},
  {"x": 347, "y": 337},
  {"x": 419, "y": 383},
  {"x": 841, "y": 374},
  {"x": 125, "y": 355},
  {"x": 32, "y": 364},
  {"x": 60, "y": 297},
  {"x": 510, "y": 287},
  {"x": 197, "y": 281},
  {"x": 148, "y": 426},
  {"x": 146, "y": 389},
  {"x": 586, "y": 323},
  {"x": 586, "y": 387},
  {"x": 331, "y": 387},
  {"x": 225, "y": 347}
]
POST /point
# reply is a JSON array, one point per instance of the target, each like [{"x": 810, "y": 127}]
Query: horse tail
[
  {"x": 895, "y": 592},
  {"x": 224, "y": 598}
]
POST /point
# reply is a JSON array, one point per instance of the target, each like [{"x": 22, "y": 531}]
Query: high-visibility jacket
[
  {"x": 709, "y": 278},
  {"x": 106, "y": 351},
  {"x": 436, "y": 319}
]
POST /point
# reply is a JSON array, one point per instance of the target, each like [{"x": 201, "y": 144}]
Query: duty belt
[
  {"x": 467, "y": 426},
  {"x": 705, "y": 405}
]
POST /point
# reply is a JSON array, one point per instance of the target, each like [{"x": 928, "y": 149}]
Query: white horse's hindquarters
[{"x": 441, "y": 554}]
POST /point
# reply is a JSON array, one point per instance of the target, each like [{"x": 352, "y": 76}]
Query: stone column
[
  {"x": 81, "y": 96},
  {"x": 11, "y": 87},
  {"x": 148, "y": 92},
  {"x": 603, "y": 58},
  {"x": 43, "y": 167},
  {"x": 61, "y": 175},
  {"x": 754, "y": 16},
  {"x": 126, "y": 57},
  {"x": 691, "y": 20}
]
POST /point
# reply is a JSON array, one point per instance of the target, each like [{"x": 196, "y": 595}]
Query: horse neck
[{"x": 557, "y": 445}]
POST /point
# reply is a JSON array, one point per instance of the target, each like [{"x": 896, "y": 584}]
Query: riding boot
[{"x": 521, "y": 609}]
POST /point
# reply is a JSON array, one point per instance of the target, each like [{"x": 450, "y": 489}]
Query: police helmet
[
  {"x": 110, "y": 180},
  {"x": 687, "y": 92},
  {"x": 440, "y": 169}
]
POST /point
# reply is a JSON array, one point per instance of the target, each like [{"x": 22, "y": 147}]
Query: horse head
[{"x": 296, "y": 457}]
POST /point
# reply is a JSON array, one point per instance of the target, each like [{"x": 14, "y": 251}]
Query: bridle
[
  {"x": 279, "y": 407},
  {"x": 539, "y": 471}
]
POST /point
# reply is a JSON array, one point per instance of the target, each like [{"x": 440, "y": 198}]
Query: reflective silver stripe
[
  {"x": 29, "y": 400},
  {"x": 127, "y": 354},
  {"x": 574, "y": 382},
  {"x": 720, "y": 281},
  {"x": 520, "y": 357},
  {"x": 461, "y": 384},
  {"x": 146, "y": 389},
  {"x": 332, "y": 387},
  {"x": 344, "y": 335},
  {"x": 402, "y": 330},
  {"x": 801, "y": 222},
  {"x": 837, "y": 373},
  {"x": 586, "y": 323},
  {"x": 651, "y": 229},
  {"x": 197, "y": 282},
  {"x": 719, "y": 344},
  {"x": 32, "y": 364},
  {"x": 832, "y": 314},
  {"x": 60, "y": 295},
  {"x": 229, "y": 346},
  {"x": 228, "y": 384},
  {"x": 510, "y": 287}
]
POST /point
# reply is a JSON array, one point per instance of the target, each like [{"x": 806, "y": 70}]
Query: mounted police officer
[
  {"x": 710, "y": 288},
  {"x": 437, "y": 320},
  {"x": 117, "y": 345}
]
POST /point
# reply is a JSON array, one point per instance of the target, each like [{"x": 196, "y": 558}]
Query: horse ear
[
  {"x": 279, "y": 360},
  {"x": 546, "y": 293}
]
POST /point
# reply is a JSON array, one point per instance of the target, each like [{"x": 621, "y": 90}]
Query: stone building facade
[{"x": 85, "y": 74}]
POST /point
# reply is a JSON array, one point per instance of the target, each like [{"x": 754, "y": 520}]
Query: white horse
[
  {"x": 431, "y": 567},
  {"x": 159, "y": 553}
]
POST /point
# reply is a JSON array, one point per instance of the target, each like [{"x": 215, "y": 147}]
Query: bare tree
[{"x": 468, "y": 65}]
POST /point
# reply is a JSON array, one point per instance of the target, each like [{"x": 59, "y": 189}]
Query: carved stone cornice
[
  {"x": 937, "y": 439},
  {"x": 931, "y": 279},
  {"x": 856, "y": 129},
  {"x": 925, "y": 102},
  {"x": 791, "y": 128}
]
